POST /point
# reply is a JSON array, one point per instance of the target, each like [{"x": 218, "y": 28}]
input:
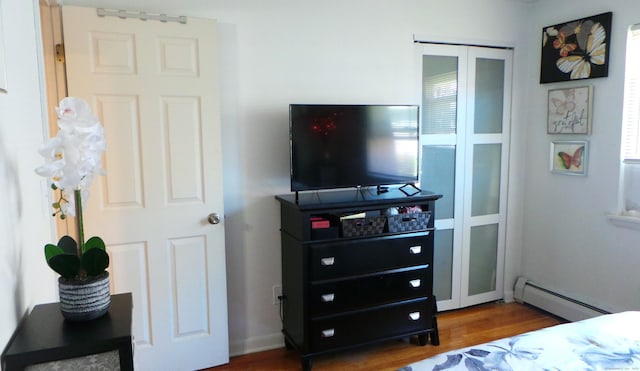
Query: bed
[{"x": 607, "y": 342}]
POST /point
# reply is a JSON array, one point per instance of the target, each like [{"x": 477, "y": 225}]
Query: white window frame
[
  {"x": 629, "y": 193},
  {"x": 630, "y": 149}
]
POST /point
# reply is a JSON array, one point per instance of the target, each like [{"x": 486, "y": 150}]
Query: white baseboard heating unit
[{"x": 528, "y": 292}]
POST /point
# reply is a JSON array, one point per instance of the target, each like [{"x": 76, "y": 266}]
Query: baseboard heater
[{"x": 528, "y": 292}]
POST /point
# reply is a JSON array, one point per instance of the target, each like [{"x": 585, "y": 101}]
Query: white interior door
[
  {"x": 465, "y": 145},
  {"x": 154, "y": 87}
]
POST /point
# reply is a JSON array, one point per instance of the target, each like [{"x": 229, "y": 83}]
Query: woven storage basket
[
  {"x": 409, "y": 222},
  {"x": 363, "y": 226}
]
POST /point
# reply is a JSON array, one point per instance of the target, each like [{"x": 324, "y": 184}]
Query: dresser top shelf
[
  {"x": 353, "y": 199},
  {"x": 44, "y": 335}
]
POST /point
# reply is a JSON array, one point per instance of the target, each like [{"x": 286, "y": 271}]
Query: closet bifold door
[{"x": 466, "y": 95}]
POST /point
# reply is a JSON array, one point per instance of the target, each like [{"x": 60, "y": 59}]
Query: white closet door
[{"x": 465, "y": 145}]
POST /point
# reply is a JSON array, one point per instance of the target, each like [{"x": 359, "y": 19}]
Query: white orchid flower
[{"x": 74, "y": 155}]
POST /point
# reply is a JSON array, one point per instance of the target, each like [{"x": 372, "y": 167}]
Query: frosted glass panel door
[
  {"x": 465, "y": 126},
  {"x": 441, "y": 174},
  {"x": 485, "y": 192},
  {"x": 489, "y": 94},
  {"x": 442, "y": 112},
  {"x": 483, "y": 256}
]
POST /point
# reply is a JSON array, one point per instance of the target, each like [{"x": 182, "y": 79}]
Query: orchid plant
[{"x": 73, "y": 158}]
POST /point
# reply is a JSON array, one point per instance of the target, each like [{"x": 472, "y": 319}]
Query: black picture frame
[{"x": 576, "y": 50}]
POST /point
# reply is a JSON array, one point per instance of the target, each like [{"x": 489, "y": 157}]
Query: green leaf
[
  {"x": 95, "y": 261},
  {"x": 94, "y": 243},
  {"x": 66, "y": 265},
  {"x": 68, "y": 245},
  {"x": 51, "y": 250}
]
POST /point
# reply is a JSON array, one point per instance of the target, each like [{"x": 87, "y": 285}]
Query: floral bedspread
[{"x": 607, "y": 342}]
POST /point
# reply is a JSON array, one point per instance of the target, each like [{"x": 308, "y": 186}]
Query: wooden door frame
[{"x": 54, "y": 74}]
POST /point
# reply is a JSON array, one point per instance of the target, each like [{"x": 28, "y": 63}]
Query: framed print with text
[{"x": 569, "y": 110}]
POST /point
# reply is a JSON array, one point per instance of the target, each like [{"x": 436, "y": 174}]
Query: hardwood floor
[{"x": 459, "y": 328}]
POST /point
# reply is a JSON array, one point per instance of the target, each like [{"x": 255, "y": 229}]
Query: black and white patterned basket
[
  {"x": 363, "y": 226},
  {"x": 84, "y": 300},
  {"x": 409, "y": 222}
]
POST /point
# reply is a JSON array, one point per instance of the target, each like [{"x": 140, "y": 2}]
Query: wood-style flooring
[{"x": 459, "y": 328}]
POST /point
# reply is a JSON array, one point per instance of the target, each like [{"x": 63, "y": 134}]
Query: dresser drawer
[
  {"x": 364, "y": 292},
  {"x": 361, "y": 256},
  {"x": 375, "y": 324}
]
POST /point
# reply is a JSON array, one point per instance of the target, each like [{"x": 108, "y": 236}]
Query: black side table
[{"x": 45, "y": 336}]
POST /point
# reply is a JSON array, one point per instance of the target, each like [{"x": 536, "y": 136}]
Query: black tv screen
[{"x": 340, "y": 146}]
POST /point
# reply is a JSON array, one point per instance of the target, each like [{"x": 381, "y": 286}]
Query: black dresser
[{"x": 357, "y": 268}]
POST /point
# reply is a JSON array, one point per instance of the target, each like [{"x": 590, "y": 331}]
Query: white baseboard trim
[
  {"x": 256, "y": 344},
  {"x": 509, "y": 296},
  {"x": 554, "y": 302}
]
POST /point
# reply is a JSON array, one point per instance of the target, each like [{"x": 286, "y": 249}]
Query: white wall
[
  {"x": 24, "y": 221},
  {"x": 278, "y": 52},
  {"x": 569, "y": 245},
  {"x": 287, "y": 51},
  {"x": 360, "y": 51}
]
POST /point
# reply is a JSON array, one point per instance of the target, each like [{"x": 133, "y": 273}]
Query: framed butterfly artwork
[
  {"x": 576, "y": 50},
  {"x": 569, "y": 157},
  {"x": 569, "y": 110}
]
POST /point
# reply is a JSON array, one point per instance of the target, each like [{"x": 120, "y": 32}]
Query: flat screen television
[{"x": 342, "y": 146}]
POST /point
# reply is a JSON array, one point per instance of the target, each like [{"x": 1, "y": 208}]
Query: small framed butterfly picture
[
  {"x": 569, "y": 110},
  {"x": 569, "y": 157}
]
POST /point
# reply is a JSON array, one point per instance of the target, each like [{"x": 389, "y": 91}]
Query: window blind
[
  {"x": 631, "y": 113},
  {"x": 440, "y": 103}
]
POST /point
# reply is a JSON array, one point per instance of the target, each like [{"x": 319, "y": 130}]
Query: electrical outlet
[{"x": 277, "y": 293}]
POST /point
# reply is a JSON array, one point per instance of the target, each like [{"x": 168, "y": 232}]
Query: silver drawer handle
[
  {"x": 414, "y": 316},
  {"x": 415, "y": 249},
  {"x": 328, "y": 261},
  {"x": 328, "y": 333},
  {"x": 326, "y": 298},
  {"x": 415, "y": 283}
]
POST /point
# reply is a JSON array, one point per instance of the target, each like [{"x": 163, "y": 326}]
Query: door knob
[{"x": 213, "y": 218}]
